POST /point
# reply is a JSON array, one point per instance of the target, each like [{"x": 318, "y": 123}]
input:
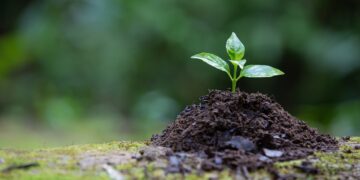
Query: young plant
[{"x": 236, "y": 52}]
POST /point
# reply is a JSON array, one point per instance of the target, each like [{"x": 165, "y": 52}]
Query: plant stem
[
  {"x": 234, "y": 80},
  {"x": 233, "y": 87}
]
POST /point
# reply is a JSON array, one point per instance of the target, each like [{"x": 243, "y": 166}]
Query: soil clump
[{"x": 241, "y": 129}]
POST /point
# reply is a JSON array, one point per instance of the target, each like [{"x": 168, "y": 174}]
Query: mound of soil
[{"x": 241, "y": 130}]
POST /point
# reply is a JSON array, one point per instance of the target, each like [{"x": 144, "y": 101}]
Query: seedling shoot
[{"x": 236, "y": 52}]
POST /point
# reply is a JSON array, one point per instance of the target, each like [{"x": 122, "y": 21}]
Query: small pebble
[
  {"x": 218, "y": 160},
  {"x": 347, "y": 151},
  {"x": 357, "y": 147},
  {"x": 272, "y": 153},
  {"x": 174, "y": 161},
  {"x": 345, "y": 138},
  {"x": 264, "y": 158},
  {"x": 239, "y": 142},
  {"x": 307, "y": 167}
]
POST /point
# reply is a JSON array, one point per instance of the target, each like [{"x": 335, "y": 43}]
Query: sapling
[{"x": 236, "y": 52}]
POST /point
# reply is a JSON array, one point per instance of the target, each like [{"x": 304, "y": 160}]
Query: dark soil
[{"x": 241, "y": 130}]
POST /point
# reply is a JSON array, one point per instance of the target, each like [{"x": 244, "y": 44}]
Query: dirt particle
[
  {"x": 345, "y": 138},
  {"x": 307, "y": 167}
]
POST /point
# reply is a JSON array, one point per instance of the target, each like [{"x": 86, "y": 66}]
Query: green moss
[
  {"x": 288, "y": 164},
  {"x": 63, "y": 163},
  {"x": 355, "y": 139},
  {"x": 60, "y": 163},
  {"x": 287, "y": 167},
  {"x": 330, "y": 164}
]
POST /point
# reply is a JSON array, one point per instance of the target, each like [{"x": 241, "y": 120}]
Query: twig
[
  {"x": 21, "y": 166},
  {"x": 113, "y": 173},
  {"x": 245, "y": 172}
]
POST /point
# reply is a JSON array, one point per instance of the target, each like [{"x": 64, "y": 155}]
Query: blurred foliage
[{"x": 63, "y": 62}]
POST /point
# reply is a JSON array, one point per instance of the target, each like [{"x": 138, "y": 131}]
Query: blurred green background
[{"x": 90, "y": 71}]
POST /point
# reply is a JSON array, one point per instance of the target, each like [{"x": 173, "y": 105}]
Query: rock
[
  {"x": 239, "y": 142},
  {"x": 176, "y": 164},
  {"x": 264, "y": 158},
  {"x": 218, "y": 160},
  {"x": 307, "y": 167},
  {"x": 151, "y": 152},
  {"x": 174, "y": 161},
  {"x": 272, "y": 153},
  {"x": 90, "y": 160}
]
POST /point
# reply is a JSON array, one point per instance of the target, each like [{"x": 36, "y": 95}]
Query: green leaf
[
  {"x": 235, "y": 48},
  {"x": 240, "y": 63},
  {"x": 213, "y": 60},
  {"x": 259, "y": 71}
]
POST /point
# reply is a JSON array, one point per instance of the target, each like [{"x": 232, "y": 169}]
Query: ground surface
[{"x": 121, "y": 160}]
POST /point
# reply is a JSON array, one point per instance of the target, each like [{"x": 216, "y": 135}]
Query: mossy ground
[{"x": 84, "y": 162}]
